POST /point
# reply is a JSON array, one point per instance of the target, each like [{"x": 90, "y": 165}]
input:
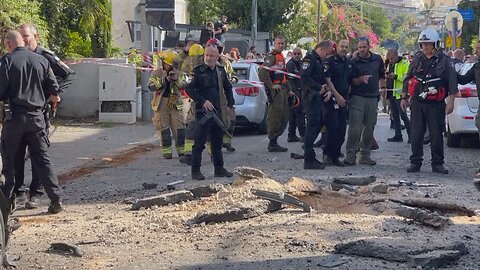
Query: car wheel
[
  {"x": 453, "y": 140},
  {"x": 262, "y": 127}
]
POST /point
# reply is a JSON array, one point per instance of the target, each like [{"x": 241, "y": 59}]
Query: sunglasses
[{"x": 297, "y": 53}]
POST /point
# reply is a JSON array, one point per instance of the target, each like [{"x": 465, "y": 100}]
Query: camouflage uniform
[
  {"x": 167, "y": 107},
  {"x": 278, "y": 109}
]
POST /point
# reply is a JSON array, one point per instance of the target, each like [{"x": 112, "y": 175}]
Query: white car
[
  {"x": 250, "y": 97},
  {"x": 462, "y": 120}
]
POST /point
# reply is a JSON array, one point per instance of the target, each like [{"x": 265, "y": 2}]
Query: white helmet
[{"x": 428, "y": 36}]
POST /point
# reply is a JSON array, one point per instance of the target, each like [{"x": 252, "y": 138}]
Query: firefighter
[
  {"x": 195, "y": 57},
  {"x": 431, "y": 77},
  {"x": 166, "y": 82}
]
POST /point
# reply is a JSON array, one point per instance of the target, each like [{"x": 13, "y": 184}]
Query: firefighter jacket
[{"x": 161, "y": 87}]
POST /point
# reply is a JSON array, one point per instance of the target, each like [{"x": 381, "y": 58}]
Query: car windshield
[{"x": 242, "y": 73}]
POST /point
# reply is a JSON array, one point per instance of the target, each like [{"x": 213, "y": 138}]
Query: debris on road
[
  {"x": 403, "y": 183},
  {"x": 236, "y": 214},
  {"x": 434, "y": 255},
  {"x": 164, "y": 199},
  {"x": 433, "y": 204},
  {"x": 172, "y": 185},
  {"x": 206, "y": 191},
  {"x": 65, "y": 249},
  {"x": 282, "y": 198},
  {"x": 423, "y": 216},
  {"x": 355, "y": 180},
  {"x": 148, "y": 186},
  {"x": 249, "y": 173},
  {"x": 296, "y": 156}
]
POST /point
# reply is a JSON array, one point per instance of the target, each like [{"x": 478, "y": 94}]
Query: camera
[{"x": 171, "y": 73}]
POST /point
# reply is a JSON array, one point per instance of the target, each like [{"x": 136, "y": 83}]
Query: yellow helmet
[
  {"x": 195, "y": 50},
  {"x": 168, "y": 56}
]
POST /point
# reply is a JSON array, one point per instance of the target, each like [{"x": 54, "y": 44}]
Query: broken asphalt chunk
[
  {"x": 283, "y": 198},
  {"x": 423, "y": 216},
  {"x": 172, "y": 185},
  {"x": 66, "y": 249},
  {"x": 149, "y": 185},
  {"x": 395, "y": 252},
  {"x": 249, "y": 172},
  {"x": 164, "y": 199},
  {"x": 235, "y": 214},
  {"x": 206, "y": 191},
  {"x": 355, "y": 181}
]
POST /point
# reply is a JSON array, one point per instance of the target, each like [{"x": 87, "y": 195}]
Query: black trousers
[
  {"x": 314, "y": 104},
  {"x": 31, "y": 130},
  {"x": 429, "y": 115},
  {"x": 336, "y": 123},
  {"x": 398, "y": 113},
  {"x": 297, "y": 121},
  {"x": 202, "y": 132},
  {"x": 36, "y": 188}
]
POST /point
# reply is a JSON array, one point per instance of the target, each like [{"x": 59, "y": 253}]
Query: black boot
[
  {"x": 186, "y": 159},
  {"x": 439, "y": 169},
  {"x": 273, "y": 146},
  {"x": 222, "y": 172},
  {"x": 229, "y": 147},
  {"x": 197, "y": 174},
  {"x": 395, "y": 139},
  {"x": 414, "y": 168},
  {"x": 293, "y": 138},
  {"x": 313, "y": 165}
]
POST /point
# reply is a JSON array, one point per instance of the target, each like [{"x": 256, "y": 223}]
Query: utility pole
[
  {"x": 454, "y": 34},
  {"x": 254, "y": 23},
  {"x": 319, "y": 13},
  {"x": 147, "y": 47}
]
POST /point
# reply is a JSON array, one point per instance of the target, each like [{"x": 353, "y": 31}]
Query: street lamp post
[{"x": 319, "y": 11}]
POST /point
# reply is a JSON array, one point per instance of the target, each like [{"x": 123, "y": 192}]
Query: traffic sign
[
  {"x": 449, "y": 42},
  {"x": 467, "y": 14},
  {"x": 449, "y": 20}
]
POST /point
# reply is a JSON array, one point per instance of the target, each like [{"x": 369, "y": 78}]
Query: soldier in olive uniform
[{"x": 277, "y": 91}]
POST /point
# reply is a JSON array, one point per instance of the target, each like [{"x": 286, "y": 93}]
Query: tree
[
  {"x": 402, "y": 26},
  {"x": 15, "y": 12},
  {"x": 96, "y": 22}
]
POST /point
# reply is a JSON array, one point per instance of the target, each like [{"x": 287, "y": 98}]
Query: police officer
[
  {"x": 212, "y": 92},
  {"x": 64, "y": 76},
  {"x": 430, "y": 78},
  {"x": 167, "y": 104},
  {"x": 339, "y": 72},
  {"x": 315, "y": 93},
  {"x": 277, "y": 93},
  {"x": 27, "y": 80},
  {"x": 231, "y": 116},
  {"x": 297, "y": 114}
]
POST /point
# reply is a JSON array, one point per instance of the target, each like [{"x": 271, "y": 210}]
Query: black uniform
[
  {"x": 205, "y": 86},
  {"x": 312, "y": 78},
  {"x": 425, "y": 113},
  {"x": 339, "y": 71},
  {"x": 64, "y": 76},
  {"x": 297, "y": 114},
  {"x": 27, "y": 80}
]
